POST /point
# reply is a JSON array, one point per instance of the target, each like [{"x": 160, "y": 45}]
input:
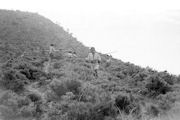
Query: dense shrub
[
  {"x": 58, "y": 88},
  {"x": 73, "y": 86},
  {"x": 57, "y": 65},
  {"x": 10, "y": 104},
  {"x": 19, "y": 74},
  {"x": 104, "y": 109},
  {"x": 140, "y": 77},
  {"x": 34, "y": 97},
  {"x": 88, "y": 111},
  {"x": 79, "y": 111},
  {"x": 166, "y": 101},
  {"x": 32, "y": 110},
  {"x": 14, "y": 106},
  {"x": 54, "y": 112},
  {"x": 152, "y": 110},
  {"x": 128, "y": 104},
  {"x": 57, "y": 56},
  {"x": 85, "y": 72},
  {"x": 123, "y": 103},
  {"x": 62, "y": 87},
  {"x": 170, "y": 79},
  {"x": 88, "y": 93},
  {"x": 32, "y": 73},
  {"x": 13, "y": 80},
  {"x": 178, "y": 79},
  {"x": 156, "y": 85}
]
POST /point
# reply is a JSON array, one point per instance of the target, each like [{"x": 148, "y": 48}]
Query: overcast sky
[{"x": 143, "y": 32}]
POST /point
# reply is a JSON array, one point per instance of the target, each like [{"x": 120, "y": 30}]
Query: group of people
[{"x": 93, "y": 58}]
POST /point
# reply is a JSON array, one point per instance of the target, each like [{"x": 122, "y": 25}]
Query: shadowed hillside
[{"x": 70, "y": 91}]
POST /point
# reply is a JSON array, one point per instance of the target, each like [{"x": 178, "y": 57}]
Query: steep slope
[
  {"x": 23, "y": 31},
  {"x": 70, "y": 91}
]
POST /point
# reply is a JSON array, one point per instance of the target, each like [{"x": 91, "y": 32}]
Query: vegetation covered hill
[
  {"x": 23, "y": 31},
  {"x": 70, "y": 91}
]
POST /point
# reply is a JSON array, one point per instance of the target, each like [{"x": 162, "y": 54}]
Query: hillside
[
  {"x": 26, "y": 31},
  {"x": 70, "y": 91}
]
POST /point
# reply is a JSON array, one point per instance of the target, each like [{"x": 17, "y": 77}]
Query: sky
[{"x": 143, "y": 32}]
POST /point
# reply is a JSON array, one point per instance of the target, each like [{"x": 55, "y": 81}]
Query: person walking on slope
[
  {"x": 95, "y": 59},
  {"x": 47, "y": 63},
  {"x": 52, "y": 50}
]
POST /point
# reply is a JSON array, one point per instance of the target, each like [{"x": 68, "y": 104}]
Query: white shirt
[
  {"x": 94, "y": 57},
  {"x": 52, "y": 49}
]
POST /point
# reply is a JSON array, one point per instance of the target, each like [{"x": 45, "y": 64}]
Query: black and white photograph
[{"x": 90, "y": 60}]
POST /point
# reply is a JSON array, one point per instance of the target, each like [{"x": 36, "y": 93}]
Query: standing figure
[
  {"x": 95, "y": 60},
  {"x": 52, "y": 50},
  {"x": 47, "y": 63}
]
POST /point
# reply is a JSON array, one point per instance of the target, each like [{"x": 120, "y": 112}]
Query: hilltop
[
  {"x": 70, "y": 91},
  {"x": 24, "y": 31}
]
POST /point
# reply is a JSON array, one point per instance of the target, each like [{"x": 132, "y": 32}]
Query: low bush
[
  {"x": 166, "y": 102},
  {"x": 34, "y": 97},
  {"x": 123, "y": 103},
  {"x": 19, "y": 74},
  {"x": 79, "y": 111},
  {"x": 104, "y": 109},
  {"x": 150, "y": 109},
  {"x": 178, "y": 79},
  {"x": 156, "y": 86},
  {"x": 10, "y": 104},
  {"x": 90, "y": 93},
  {"x": 128, "y": 104},
  {"x": 32, "y": 73},
  {"x": 84, "y": 71},
  {"x": 13, "y": 80},
  {"x": 60, "y": 88},
  {"x": 73, "y": 86},
  {"x": 170, "y": 79},
  {"x": 57, "y": 56},
  {"x": 57, "y": 65}
]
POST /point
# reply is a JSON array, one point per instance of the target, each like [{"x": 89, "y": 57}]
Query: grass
[{"x": 74, "y": 76}]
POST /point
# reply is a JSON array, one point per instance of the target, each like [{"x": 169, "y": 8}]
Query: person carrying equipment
[{"x": 95, "y": 59}]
